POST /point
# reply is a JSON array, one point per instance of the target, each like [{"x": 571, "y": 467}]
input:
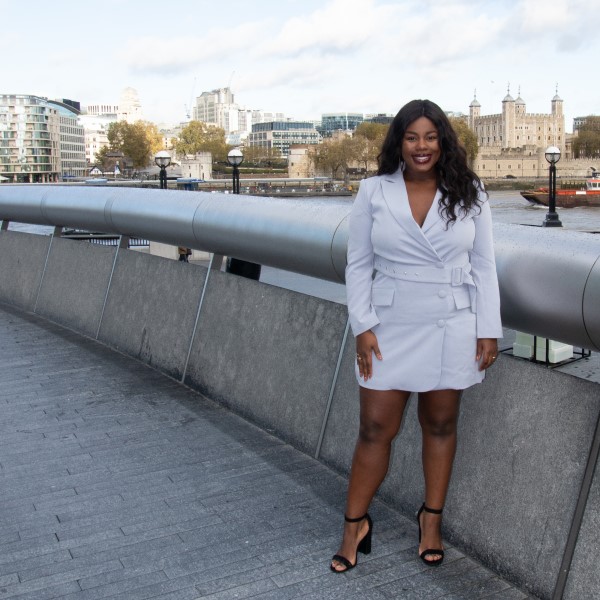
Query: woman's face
[{"x": 420, "y": 148}]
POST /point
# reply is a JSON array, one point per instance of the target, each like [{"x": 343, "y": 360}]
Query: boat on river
[{"x": 568, "y": 198}]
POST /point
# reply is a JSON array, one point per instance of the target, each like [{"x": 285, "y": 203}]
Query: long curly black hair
[{"x": 459, "y": 185}]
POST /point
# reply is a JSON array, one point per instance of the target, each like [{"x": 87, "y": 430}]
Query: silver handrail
[{"x": 549, "y": 278}]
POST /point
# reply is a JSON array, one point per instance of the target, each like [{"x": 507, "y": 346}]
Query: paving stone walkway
[{"x": 116, "y": 482}]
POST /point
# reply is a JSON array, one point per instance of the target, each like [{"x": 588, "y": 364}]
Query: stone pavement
[{"x": 117, "y": 482}]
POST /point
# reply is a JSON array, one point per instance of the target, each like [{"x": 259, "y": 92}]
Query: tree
[
  {"x": 138, "y": 141},
  {"x": 100, "y": 158},
  {"x": 368, "y": 139},
  {"x": 334, "y": 154},
  {"x": 262, "y": 157},
  {"x": 197, "y": 136},
  {"x": 375, "y": 132},
  {"x": 466, "y": 137},
  {"x": 587, "y": 142}
]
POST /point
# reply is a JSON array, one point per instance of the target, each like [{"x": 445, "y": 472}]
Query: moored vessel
[{"x": 568, "y": 198}]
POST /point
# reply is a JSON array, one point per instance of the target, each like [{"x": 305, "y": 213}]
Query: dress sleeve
[
  {"x": 359, "y": 270},
  {"x": 483, "y": 270}
]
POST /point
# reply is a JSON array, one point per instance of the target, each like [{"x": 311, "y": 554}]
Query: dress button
[
  {"x": 441, "y": 323},
  {"x": 442, "y": 293},
  {"x": 440, "y": 265}
]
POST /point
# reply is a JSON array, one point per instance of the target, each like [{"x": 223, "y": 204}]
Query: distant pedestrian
[{"x": 184, "y": 253}]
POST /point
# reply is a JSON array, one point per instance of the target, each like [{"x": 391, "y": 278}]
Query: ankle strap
[
  {"x": 349, "y": 520},
  {"x": 434, "y": 511}
]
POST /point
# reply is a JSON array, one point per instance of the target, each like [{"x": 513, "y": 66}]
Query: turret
[
  {"x": 508, "y": 114},
  {"x": 474, "y": 111}
]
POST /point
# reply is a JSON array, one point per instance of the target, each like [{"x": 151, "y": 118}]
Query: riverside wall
[{"x": 284, "y": 360}]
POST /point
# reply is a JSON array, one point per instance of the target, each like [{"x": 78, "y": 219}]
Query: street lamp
[
  {"x": 162, "y": 160},
  {"x": 552, "y": 156},
  {"x": 235, "y": 159},
  {"x": 236, "y": 266}
]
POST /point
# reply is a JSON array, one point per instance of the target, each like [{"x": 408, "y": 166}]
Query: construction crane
[{"x": 189, "y": 108}]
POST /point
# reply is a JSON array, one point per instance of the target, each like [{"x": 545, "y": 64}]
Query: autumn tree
[
  {"x": 138, "y": 141},
  {"x": 368, "y": 139},
  {"x": 587, "y": 142},
  {"x": 466, "y": 137},
  {"x": 333, "y": 155},
  {"x": 197, "y": 136}
]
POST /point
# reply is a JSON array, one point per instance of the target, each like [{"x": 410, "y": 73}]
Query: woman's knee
[
  {"x": 439, "y": 426},
  {"x": 373, "y": 431}
]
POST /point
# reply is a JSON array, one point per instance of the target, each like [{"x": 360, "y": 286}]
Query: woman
[{"x": 424, "y": 307}]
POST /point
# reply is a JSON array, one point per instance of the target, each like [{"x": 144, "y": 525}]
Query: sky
[{"x": 306, "y": 57}]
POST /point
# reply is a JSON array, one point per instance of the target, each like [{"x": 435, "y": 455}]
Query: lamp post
[
  {"x": 162, "y": 160},
  {"x": 235, "y": 159},
  {"x": 235, "y": 265},
  {"x": 552, "y": 220}
]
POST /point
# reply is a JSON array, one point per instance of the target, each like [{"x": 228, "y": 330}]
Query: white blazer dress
[{"x": 426, "y": 293}]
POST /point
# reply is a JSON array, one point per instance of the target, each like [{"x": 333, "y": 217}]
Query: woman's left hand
[{"x": 487, "y": 352}]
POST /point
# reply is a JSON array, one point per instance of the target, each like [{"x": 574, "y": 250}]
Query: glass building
[
  {"x": 283, "y": 134},
  {"x": 331, "y": 122}
]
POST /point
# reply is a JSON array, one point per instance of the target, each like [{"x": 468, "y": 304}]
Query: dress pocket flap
[
  {"x": 462, "y": 298},
  {"x": 382, "y": 296}
]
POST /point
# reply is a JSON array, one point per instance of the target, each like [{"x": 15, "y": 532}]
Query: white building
[
  {"x": 96, "y": 133},
  {"x": 218, "y": 107},
  {"x": 130, "y": 107},
  {"x": 29, "y": 139},
  {"x": 197, "y": 166},
  {"x": 96, "y": 119}
]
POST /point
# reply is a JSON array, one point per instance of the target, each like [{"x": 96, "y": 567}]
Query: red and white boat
[{"x": 587, "y": 196}]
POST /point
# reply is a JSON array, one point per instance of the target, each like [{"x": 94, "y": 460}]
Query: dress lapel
[
  {"x": 433, "y": 216},
  {"x": 396, "y": 199}
]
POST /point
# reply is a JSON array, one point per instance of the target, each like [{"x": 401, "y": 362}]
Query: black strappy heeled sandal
[
  {"x": 364, "y": 546},
  {"x": 435, "y": 562}
]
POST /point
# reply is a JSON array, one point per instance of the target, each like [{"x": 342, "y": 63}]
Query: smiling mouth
[{"x": 422, "y": 159}]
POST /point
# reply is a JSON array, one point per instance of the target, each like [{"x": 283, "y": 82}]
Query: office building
[
  {"x": 72, "y": 139},
  {"x": 281, "y": 135},
  {"x": 331, "y": 122}
]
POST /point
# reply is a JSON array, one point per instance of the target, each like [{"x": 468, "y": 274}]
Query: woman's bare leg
[
  {"x": 380, "y": 418},
  {"x": 438, "y": 416}
]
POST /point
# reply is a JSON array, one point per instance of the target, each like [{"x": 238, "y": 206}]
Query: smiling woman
[{"x": 429, "y": 318}]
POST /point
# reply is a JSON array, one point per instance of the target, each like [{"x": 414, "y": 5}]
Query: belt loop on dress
[{"x": 457, "y": 276}]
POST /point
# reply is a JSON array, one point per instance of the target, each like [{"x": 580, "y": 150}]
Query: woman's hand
[
  {"x": 366, "y": 346},
  {"x": 487, "y": 351}
]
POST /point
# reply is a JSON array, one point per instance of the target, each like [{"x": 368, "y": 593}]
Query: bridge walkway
[{"x": 117, "y": 482}]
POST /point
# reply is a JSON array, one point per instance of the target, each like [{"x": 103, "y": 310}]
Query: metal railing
[{"x": 549, "y": 279}]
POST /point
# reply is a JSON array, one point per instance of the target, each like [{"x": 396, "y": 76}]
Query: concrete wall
[
  {"x": 151, "y": 309},
  {"x": 75, "y": 282},
  {"x": 271, "y": 355},
  {"x": 22, "y": 260}
]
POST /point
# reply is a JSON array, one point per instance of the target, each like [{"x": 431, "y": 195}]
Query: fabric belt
[{"x": 455, "y": 275}]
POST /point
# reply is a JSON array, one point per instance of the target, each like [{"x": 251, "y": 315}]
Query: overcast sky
[{"x": 306, "y": 57}]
